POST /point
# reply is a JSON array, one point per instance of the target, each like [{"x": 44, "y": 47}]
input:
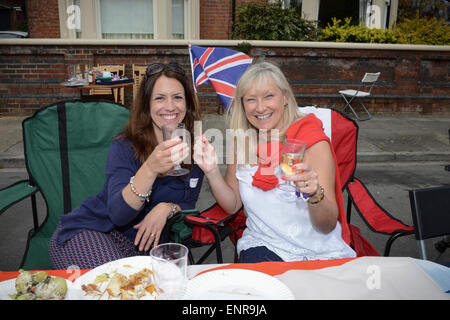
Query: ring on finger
[
  {"x": 306, "y": 184},
  {"x": 152, "y": 235}
]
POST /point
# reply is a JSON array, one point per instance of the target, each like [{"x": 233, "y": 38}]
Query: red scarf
[
  {"x": 264, "y": 177},
  {"x": 308, "y": 129}
]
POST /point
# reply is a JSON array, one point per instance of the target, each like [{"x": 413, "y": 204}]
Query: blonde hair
[{"x": 261, "y": 72}]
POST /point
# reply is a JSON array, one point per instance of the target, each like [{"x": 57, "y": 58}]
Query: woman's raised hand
[
  {"x": 205, "y": 155},
  {"x": 166, "y": 154}
]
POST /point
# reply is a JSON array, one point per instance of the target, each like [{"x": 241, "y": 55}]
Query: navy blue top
[{"x": 108, "y": 210}]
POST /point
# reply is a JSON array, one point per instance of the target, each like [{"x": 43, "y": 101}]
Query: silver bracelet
[
  {"x": 174, "y": 210},
  {"x": 142, "y": 197}
]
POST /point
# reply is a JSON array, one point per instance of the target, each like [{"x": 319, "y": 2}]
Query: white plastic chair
[{"x": 349, "y": 95}]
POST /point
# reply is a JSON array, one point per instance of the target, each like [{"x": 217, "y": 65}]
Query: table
[
  {"x": 364, "y": 278},
  {"x": 101, "y": 86}
]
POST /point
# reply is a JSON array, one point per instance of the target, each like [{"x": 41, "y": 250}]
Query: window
[
  {"x": 290, "y": 4},
  {"x": 131, "y": 19},
  {"x": 178, "y": 19}
]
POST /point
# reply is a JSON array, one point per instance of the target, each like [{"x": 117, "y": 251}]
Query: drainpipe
[
  {"x": 233, "y": 14},
  {"x": 25, "y": 15}
]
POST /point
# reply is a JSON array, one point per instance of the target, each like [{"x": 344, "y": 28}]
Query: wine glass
[
  {"x": 169, "y": 131},
  {"x": 292, "y": 154}
]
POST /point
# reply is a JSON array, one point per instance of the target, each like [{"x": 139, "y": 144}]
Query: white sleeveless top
[{"x": 284, "y": 227}]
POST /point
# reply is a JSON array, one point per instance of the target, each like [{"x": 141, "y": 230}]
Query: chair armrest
[
  {"x": 214, "y": 215},
  {"x": 373, "y": 214},
  {"x": 178, "y": 217},
  {"x": 200, "y": 220},
  {"x": 15, "y": 193}
]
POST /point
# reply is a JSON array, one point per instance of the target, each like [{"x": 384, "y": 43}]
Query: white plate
[
  {"x": 237, "y": 284},
  {"x": 8, "y": 287},
  {"x": 126, "y": 266}
]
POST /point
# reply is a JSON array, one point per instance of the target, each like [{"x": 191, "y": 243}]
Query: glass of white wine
[
  {"x": 170, "y": 131},
  {"x": 292, "y": 153}
]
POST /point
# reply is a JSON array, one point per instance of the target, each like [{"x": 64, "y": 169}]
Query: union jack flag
[{"x": 220, "y": 67}]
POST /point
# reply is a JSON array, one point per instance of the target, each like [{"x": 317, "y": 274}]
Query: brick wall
[
  {"x": 43, "y": 19},
  {"x": 216, "y": 18},
  {"x": 411, "y": 81}
]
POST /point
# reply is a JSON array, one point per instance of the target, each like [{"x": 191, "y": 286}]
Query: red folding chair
[
  {"x": 213, "y": 225},
  {"x": 374, "y": 215}
]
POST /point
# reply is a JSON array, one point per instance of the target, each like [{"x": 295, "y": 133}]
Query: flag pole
[{"x": 192, "y": 68}]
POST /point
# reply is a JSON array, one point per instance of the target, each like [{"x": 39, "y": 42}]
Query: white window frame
[
  {"x": 285, "y": 4},
  {"x": 162, "y": 12},
  {"x": 310, "y": 8}
]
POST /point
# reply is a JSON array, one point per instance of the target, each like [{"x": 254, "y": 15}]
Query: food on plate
[
  {"x": 101, "y": 278},
  {"x": 91, "y": 289},
  {"x": 118, "y": 285},
  {"x": 115, "y": 284},
  {"x": 137, "y": 285},
  {"x": 53, "y": 288},
  {"x": 39, "y": 286},
  {"x": 24, "y": 282}
]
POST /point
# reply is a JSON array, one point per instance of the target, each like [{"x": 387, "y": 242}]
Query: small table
[{"x": 100, "y": 86}]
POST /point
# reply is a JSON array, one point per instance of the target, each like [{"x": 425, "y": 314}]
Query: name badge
[{"x": 193, "y": 182}]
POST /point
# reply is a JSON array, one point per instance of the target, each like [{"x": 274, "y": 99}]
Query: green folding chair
[{"x": 65, "y": 145}]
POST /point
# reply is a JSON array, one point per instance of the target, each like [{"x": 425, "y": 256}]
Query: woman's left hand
[
  {"x": 150, "y": 228},
  {"x": 306, "y": 179}
]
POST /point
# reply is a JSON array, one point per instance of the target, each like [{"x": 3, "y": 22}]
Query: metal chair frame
[{"x": 369, "y": 78}]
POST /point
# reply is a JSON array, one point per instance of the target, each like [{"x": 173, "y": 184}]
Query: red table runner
[
  {"x": 270, "y": 268},
  {"x": 276, "y": 268}
]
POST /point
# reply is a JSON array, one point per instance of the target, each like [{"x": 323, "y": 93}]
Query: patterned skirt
[{"x": 89, "y": 249}]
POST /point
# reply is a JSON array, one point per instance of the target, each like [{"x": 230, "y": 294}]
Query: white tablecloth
[{"x": 364, "y": 278}]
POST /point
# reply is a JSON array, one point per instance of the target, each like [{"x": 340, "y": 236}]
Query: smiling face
[
  {"x": 167, "y": 103},
  {"x": 264, "y": 104}
]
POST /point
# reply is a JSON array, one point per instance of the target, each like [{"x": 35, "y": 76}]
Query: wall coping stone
[{"x": 211, "y": 43}]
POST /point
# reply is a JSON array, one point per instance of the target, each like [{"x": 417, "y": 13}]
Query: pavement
[{"x": 394, "y": 153}]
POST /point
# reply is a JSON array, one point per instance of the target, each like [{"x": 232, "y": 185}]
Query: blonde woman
[{"x": 277, "y": 230}]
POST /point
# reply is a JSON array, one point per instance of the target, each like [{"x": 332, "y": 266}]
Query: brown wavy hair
[{"x": 140, "y": 127}]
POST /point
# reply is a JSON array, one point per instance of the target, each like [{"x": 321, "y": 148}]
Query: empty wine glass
[
  {"x": 292, "y": 154},
  {"x": 169, "y": 263},
  {"x": 169, "y": 131}
]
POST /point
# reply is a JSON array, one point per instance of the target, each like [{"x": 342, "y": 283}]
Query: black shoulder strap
[{"x": 63, "y": 150}]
